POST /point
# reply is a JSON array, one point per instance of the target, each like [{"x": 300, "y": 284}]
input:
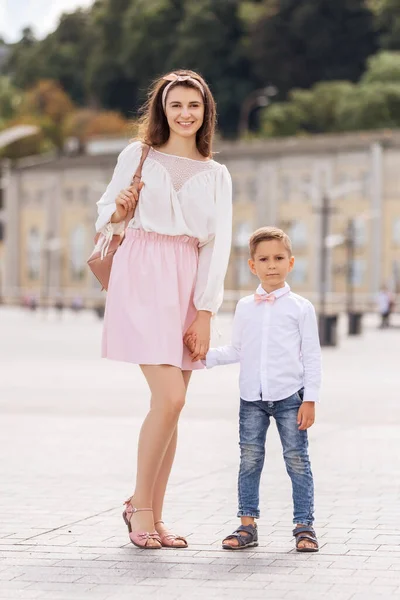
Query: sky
[{"x": 41, "y": 15}]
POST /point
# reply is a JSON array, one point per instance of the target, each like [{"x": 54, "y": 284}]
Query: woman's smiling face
[{"x": 184, "y": 110}]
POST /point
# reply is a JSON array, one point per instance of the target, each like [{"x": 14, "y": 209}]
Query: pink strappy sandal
[
  {"x": 168, "y": 539},
  {"x": 140, "y": 539}
]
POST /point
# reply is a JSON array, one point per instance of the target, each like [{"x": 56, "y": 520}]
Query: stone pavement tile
[
  {"x": 189, "y": 560},
  {"x": 13, "y": 585},
  {"x": 372, "y": 595},
  {"x": 72, "y": 588},
  {"x": 70, "y": 596},
  {"x": 382, "y": 580},
  {"x": 23, "y": 594},
  {"x": 389, "y": 548},
  {"x": 109, "y": 578},
  {"x": 22, "y": 561},
  {"x": 160, "y": 582},
  {"x": 90, "y": 564},
  {"x": 323, "y": 578},
  {"x": 279, "y": 570},
  {"x": 289, "y": 586},
  {"x": 225, "y": 592},
  {"x": 385, "y": 591},
  {"x": 295, "y": 579},
  {"x": 11, "y": 574},
  {"x": 39, "y": 576},
  {"x": 392, "y": 540},
  {"x": 333, "y": 549},
  {"x": 247, "y": 553},
  {"x": 235, "y": 561},
  {"x": 371, "y": 548},
  {"x": 215, "y": 576},
  {"x": 240, "y": 585},
  {"x": 309, "y": 594},
  {"x": 202, "y": 568}
]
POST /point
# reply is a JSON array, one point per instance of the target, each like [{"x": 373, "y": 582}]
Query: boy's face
[{"x": 271, "y": 263}]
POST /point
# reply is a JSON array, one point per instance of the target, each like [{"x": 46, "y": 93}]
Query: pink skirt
[{"x": 149, "y": 303}]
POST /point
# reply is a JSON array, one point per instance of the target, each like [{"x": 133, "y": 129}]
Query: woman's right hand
[{"x": 126, "y": 202}]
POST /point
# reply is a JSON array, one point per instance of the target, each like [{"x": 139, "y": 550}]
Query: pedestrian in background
[
  {"x": 167, "y": 276},
  {"x": 385, "y": 306}
]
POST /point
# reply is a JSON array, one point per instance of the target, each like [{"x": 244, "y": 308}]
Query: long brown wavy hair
[{"x": 153, "y": 124}]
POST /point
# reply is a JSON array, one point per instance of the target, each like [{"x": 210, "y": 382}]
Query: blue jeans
[{"x": 253, "y": 425}]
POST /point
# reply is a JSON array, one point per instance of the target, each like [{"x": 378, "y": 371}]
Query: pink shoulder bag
[{"x": 100, "y": 261}]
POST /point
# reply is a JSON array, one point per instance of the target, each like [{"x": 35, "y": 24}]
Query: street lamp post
[
  {"x": 350, "y": 244},
  {"x": 327, "y": 323}
]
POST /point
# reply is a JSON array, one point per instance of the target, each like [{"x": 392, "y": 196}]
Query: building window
[
  {"x": 285, "y": 188},
  {"x": 358, "y": 272},
  {"x": 84, "y": 192},
  {"x": 78, "y": 252},
  {"x": 243, "y": 272},
  {"x": 366, "y": 183},
  {"x": 396, "y": 231},
  {"x": 360, "y": 233},
  {"x": 300, "y": 271},
  {"x": 243, "y": 232},
  {"x": 298, "y": 234},
  {"x": 252, "y": 189},
  {"x": 236, "y": 190},
  {"x": 34, "y": 254}
]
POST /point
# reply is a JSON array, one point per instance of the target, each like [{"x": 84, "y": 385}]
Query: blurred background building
[{"x": 50, "y": 212}]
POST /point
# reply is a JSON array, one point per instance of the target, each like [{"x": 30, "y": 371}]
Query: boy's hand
[{"x": 306, "y": 415}]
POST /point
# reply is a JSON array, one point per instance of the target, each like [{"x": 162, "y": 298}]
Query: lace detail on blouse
[{"x": 181, "y": 169}]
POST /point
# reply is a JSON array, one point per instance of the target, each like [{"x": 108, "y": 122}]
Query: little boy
[{"x": 275, "y": 339}]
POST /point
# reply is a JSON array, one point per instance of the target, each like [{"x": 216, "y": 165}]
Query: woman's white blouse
[{"x": 180, "y": 197}]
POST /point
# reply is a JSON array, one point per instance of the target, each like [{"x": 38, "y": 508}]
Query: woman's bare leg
[
  {"x": 168, "y": 393},
  {"x": 164, "y": 473}
]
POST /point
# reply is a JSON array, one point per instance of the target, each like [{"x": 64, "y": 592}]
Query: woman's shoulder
[
  {"x": 134, "y": 147},
  {"x": 220, "y": 168}
]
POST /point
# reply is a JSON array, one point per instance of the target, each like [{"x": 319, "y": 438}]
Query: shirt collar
[{"x": 277, "y": 293}]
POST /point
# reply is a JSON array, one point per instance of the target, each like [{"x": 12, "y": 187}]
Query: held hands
[
  {"x": 306, "y": 415},
  {"x": 126, "y": 202},
  {"x": 197, "y": 337}
]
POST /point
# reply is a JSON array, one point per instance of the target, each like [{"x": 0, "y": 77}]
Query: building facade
[{"x": 50, "y": 209}]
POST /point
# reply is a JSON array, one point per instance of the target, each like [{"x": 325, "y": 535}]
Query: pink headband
[{"x": 173, "y": 78}]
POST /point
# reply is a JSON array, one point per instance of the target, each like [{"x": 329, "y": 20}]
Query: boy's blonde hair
[{"x": 265, "y": 234}]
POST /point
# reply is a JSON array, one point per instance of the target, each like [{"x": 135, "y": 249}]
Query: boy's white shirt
[{"x": 277, "y": 345}]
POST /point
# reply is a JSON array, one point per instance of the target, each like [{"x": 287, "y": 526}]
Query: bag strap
[{"x": 137, "y": 178}]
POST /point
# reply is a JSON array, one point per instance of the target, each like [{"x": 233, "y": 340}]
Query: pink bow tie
[{"x": 264, "y": 298}]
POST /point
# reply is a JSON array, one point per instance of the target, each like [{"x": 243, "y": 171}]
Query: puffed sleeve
[
  {"x": 125, "y": 168},
  {"x": 214, "y": 254}
]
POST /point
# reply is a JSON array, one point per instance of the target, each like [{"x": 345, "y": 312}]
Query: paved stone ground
[{"x": 68, "y": 429}]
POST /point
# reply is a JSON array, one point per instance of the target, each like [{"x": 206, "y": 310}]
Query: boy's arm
[
  {"x": 226, "y": 355},
  {"x": 311, "y": 354}
]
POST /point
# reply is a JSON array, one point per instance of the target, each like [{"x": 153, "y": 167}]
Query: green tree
[
  {"x": 296, "y": 44},
  {"x": 210, "y": 39},
  {"x": 308, "y": 111},
  {"x": 384, "y": 67},
  {"x": 61, "y": 56},
  {"x": 108, "y": 82},
  {"x": 48, "y": 103},
  {"x": 10, "y": 100},
  {"x": 389, "y": 24}
]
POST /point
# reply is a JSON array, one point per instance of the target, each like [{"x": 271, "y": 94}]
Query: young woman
[{"x": 167, "y": 276}]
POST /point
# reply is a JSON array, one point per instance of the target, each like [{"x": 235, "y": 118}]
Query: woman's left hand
[{"x": 197, "y": 337}]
